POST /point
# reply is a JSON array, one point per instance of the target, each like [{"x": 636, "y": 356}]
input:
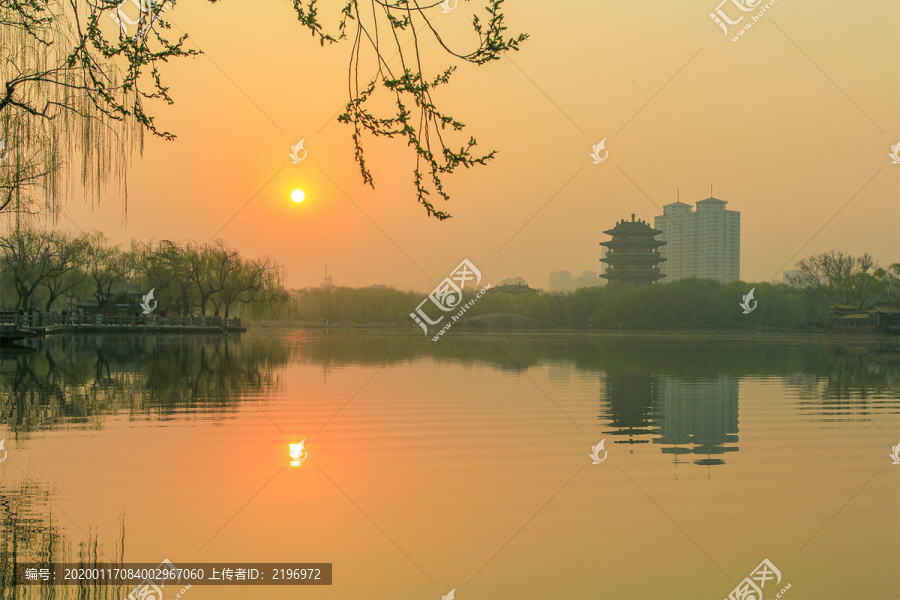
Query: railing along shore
[{"x": 39, "y": 320}]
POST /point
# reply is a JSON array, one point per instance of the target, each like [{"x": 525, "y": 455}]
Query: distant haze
[{"x": 794, "y": 146}]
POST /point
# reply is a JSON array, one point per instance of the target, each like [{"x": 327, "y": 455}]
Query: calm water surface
[{"x": 463, "y": 464}]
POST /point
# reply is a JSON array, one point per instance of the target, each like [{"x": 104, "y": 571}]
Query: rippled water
[{"x": 463, "y": 464}]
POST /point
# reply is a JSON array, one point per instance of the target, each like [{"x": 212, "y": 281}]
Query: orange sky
[{"x": 789, "y": 124}]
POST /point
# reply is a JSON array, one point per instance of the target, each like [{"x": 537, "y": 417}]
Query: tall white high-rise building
[{"x": 705, "y": 243}]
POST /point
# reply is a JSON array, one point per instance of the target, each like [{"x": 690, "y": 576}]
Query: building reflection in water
[{"x": 697, "y": 416}]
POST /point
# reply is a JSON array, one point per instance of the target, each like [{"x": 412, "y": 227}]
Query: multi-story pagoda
[{"x": 632, "y": 254}]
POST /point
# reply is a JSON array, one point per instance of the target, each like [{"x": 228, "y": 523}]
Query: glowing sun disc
[{"x": 298, "y": 196}]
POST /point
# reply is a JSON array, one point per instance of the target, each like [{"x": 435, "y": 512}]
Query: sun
[{"x": 298, "y": 196}]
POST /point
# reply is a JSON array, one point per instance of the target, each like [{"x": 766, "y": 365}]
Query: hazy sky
[{"x": 792, "y": 124}]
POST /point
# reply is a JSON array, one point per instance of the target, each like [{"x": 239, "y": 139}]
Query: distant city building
[
  {"x": 695, "y": 418},
  {"x": 705, "y": 243},
  {"x": 561, "y": 281},
  {"x": 513, "y": 285},
  {"x": 564, "y": 281},
  {"x": 633, "y": 254},
  {"x": 514, "y": 281},
  {"x": 698, "y": 417}
]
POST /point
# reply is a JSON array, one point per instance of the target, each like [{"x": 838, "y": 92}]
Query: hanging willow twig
[
  {"x": 73, "y": 83},
  {"x": 383, "y": 30}
]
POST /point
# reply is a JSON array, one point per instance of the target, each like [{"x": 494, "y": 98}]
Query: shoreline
[{"x": 818, "y": 337}]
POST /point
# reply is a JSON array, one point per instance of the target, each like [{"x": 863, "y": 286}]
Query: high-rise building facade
[{"x": 705, "y": 243}]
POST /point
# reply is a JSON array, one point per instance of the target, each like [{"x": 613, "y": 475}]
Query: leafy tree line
[
  {"x": 820, "y": 282},
  {"x": 689, "y": 303},
  {"x": 335, "y": 305},
  {"x": 41, "y": 269}
]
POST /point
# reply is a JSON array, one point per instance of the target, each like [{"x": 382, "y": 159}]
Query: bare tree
[
  {"x": 32, "y": 258},
  {"x": 165, "y": 265},
  {"x": 888, "y": 282},
  {"x": 107, "y": 266},
  {"x": 252, "y": 281},
  {"x": 838, "y": 276},
  {"x": 208, "y": 266},
  {"x": 67, "y": 274}
]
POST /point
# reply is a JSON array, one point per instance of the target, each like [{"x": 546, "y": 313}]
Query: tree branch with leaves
[
  {"x": 381, "y": 30},
  {"x": 73, "y": 88}
]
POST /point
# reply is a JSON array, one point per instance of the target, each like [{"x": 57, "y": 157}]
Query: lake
[{"x": 461, "y": 465}]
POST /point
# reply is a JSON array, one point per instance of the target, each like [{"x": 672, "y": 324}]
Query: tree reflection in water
[
  {"x": 30, "y": 533},
  {"x": 77, "y": 380}
]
